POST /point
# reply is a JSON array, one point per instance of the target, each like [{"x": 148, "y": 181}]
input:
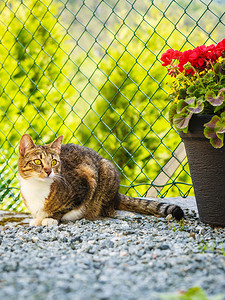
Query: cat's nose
[{"x": 48, "y": 171}]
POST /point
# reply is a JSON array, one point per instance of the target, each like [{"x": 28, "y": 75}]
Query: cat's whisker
[{"x": 61, "y": 178}]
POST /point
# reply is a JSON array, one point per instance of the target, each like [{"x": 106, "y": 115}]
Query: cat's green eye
[
  {"x": 54, "y": 162},
  {"x": 37, "y": 162}
]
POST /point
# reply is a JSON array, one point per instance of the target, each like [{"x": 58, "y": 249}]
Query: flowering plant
[{"x": 198, "y": 88}]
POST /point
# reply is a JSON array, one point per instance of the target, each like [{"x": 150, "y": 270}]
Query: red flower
[
  {"x": 183, "y": 60},
  {"x": 201, "y": 58},
  {"x": 220, "y": 47},
  {"x": 169, "y": 55}
]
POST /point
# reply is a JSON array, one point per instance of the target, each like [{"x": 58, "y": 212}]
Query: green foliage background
[{"x": 91, "y": 71}]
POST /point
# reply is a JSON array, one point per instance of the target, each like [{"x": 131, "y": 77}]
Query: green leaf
[
  {"x": 193, "y": 293},
  {"x": 221, "y": 128},
  {"x": 195, "y": 106},
  {"x": 208, "y": 77},
  {"x": 216, "y": 68},
  {"x": 201, "y": 91},
  {"x": 191, "y": 89},
  {"x": 214, "y": 100},
  {"x": 182, "y": 93},
  {"x": 214, "y": 131},
  {"x": 172, "y": 112},
  {"x": 181, "y": 121},
  {"x": 216, "y": 139},
  {"x": 217, "y": 123},
  {"x": 190, "y": 100},
  {"x": 181, "y": 106}
]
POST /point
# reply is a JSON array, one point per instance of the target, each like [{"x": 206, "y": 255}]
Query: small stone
[
  {"x": 163, "y": 247},
  {"x": 76, "y": 239},
  {"x": 34, "y": 239},
  {"x": 124, "y": 253},
  {"x": 192, "y": 234},
  {"x": 111, "y": 259},
  {"x": 150, "y": 246}
]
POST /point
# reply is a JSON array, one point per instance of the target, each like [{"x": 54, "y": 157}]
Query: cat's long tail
[{"x": 149, "y": 207}]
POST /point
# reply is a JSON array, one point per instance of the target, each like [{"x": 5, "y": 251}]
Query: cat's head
[{"x": 39, "y": 162}]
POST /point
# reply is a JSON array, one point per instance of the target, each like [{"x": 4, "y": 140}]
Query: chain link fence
[{"x": 91, "y": 70}]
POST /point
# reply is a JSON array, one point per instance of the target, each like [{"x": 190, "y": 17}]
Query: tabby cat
[{"x": 69, "y": 182}]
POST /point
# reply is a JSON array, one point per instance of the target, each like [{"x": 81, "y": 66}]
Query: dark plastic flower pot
[{"x": 207, "y": 167}]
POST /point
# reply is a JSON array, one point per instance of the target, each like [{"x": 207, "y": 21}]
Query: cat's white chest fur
[{"x": 35, "y": 192}]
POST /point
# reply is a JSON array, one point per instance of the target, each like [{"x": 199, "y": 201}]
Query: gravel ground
[{"x": 128, "y": 257}]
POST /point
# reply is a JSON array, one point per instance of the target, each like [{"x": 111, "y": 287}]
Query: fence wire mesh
[{"x": 91, "y": 70}]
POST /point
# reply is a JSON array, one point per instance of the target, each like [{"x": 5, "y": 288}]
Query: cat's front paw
[
  {"x": 35, "y": 222},
  {"x": 49, "y": 222}
]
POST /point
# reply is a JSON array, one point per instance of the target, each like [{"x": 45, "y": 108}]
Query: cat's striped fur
[{"x": 69, "y": 182}]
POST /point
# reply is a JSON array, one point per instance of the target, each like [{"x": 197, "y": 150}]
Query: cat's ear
[
  {"x": 26, "y": 143},
  {"x": 57, "y": 143}
]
